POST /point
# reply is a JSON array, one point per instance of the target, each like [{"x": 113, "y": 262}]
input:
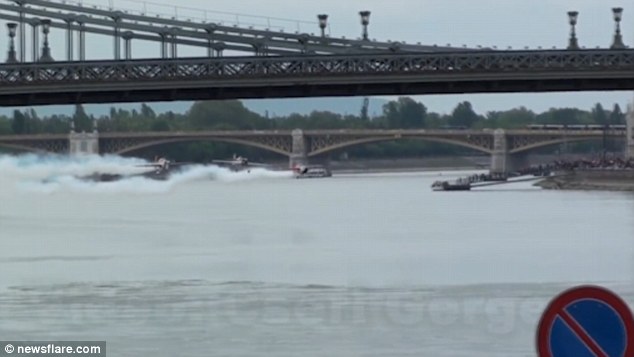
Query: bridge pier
[
  {"x": 500, "y": 158},
  {"x": 83, "y": 143},
  {"x": 629, "y": 145},
  {"x": 298, "y": 154}
]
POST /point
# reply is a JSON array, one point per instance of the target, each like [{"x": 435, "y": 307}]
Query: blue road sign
[{"x": 586, "y": 321}]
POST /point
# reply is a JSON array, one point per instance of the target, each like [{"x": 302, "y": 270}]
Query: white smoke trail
[
  {"x": 41, "y": 167},
  {"x": 53, "y": 174}
]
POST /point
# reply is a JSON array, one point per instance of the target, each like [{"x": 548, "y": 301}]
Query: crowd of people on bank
[
  {"x": 602, "y": 163},
  {"x": 485, "y": 177}
]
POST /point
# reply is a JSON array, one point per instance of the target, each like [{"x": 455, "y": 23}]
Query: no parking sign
[{"x": 586, "y": 321}]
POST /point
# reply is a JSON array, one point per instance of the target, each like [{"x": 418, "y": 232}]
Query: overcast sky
[{"x": 502, "y": 23}]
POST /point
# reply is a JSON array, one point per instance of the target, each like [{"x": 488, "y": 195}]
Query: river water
[{"x": 212, "y": 262}]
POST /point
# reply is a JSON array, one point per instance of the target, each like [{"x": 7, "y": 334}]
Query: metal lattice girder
[
  {"x": 448, "y": 66},
  {"x": 520, "y": 141},
  {"x": 119, "y": 143},
  {"x": 323, "y": 141},
  {"x": 43, "y": 143},
  {"x": 197, "y": 34},
  {"x": 319, "y": 141}
]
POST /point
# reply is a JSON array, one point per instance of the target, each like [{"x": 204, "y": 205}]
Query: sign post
[{"x": 586, "y": 321}]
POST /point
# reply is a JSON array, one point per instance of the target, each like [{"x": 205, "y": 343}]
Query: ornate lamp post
[
  {"x": 618, "y": 39},
  {"x": 365, "y": 21},
  {"x": 46, "y": 50},
  {"x": 11, "y": 55},
  {"x": 323, "y": 23},
  {"x": 573, "y": 44}
]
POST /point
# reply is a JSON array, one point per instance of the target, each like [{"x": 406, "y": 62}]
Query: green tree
[
  {"x": 364, "y": 109},
  {"x": 599, "y": 115},
  {"x": 147, "y": 112},
  {"x": 617, "y": 117},
  {"x": 211, "y": 114},
  {"x": 19, "y": 123},
  {"x": 5, "y": 126},
  {"x": 160, "y": 125},
  {"x": 405, "y": 113},
  {"x": 81, "y": 119},
  {"x": 464, "y": 115}
]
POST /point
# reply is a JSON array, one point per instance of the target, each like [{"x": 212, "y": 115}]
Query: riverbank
[
  {"x": 591, "y": 180},
  {"x": 411, "y": 165}
]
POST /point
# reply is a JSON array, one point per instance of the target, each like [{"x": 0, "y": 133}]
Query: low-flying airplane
[
  {"x": 162, "y": 168},
  {"x": 163, "y": 165},
  {"x": 238, "y": 163}
]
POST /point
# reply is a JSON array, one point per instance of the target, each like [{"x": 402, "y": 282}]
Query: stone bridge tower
[
  {"x": 500, "y": 156},
  {"x": 299, "y": 149},
  {"x": 83, "y": 143}
]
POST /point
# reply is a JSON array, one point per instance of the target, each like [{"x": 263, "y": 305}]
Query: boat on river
[{"x": 457, "y": 185}]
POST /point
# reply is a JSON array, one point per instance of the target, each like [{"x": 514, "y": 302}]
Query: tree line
[{"x": 402, "y": 113}]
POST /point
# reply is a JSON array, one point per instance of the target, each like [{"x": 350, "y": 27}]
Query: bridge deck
[{"x": 312, "y": 76}]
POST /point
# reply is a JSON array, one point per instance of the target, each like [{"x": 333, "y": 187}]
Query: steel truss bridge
[
  {"x": 271, "y": 63},
  {"x": 311, "y": 143},
  {"x": 314, "y": 76}
]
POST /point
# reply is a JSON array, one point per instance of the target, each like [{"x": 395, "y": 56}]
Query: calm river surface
[{"x": 235, "y": 264}]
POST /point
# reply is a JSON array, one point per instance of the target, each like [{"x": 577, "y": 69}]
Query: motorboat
[{"x": 311, "y": 172}]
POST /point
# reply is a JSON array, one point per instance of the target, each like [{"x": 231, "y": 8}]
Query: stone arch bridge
[{"x": 504, "y": 146}]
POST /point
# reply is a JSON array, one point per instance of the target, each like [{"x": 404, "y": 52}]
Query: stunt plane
[
  {"x": 162, "y": 170},
  {"x": 163, "y": 165},
  {"x": 238, "y": 163}
]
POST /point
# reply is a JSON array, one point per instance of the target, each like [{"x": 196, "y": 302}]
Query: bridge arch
[
  {"x": 217, "y": 139},
  {"x": 19, "y": 147},
  {"x": 357, "y": 142}
]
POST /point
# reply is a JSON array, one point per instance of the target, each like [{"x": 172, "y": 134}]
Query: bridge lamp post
[
  {"x": 323, "y": 23},
  {"x": 21, "y": 4},
  {"x": 573, "y": 43},
  {"x": 12, "y": 56},
  {"x": 618, "y": 39},
  {"x": 46, "y": 50},
  {"x": 365, "y": 21}
]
